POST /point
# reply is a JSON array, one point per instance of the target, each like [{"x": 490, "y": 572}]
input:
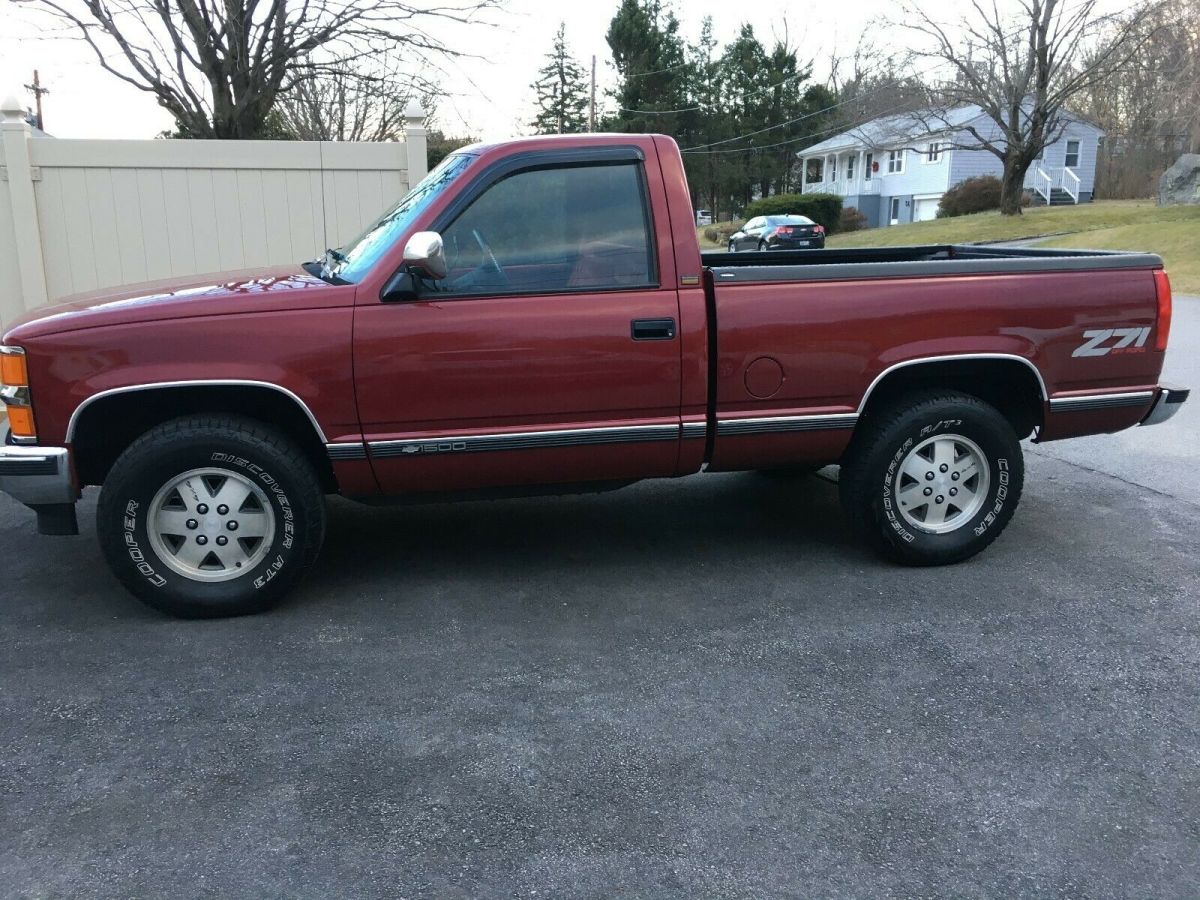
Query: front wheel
[
  {"x": 211, "y": 516},
  {"x": 762, "y": 245},
  {"x": 934, "y": 480}
]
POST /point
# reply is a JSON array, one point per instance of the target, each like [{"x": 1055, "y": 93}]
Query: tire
[
  {"x": 732, "y": 247},
  {"x": 898, "y": 448},
  {"x": 762, "y": 246},
  {"x": 188, "y": 564}
]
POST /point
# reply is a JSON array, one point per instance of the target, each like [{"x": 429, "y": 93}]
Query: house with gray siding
[{"x": 895, "y": 169}]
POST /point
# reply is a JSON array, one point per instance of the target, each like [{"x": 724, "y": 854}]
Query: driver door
[{"x": 550, "y": 352}]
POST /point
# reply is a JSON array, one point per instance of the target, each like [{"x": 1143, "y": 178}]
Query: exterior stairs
[{"x": 1059, "y": 197}]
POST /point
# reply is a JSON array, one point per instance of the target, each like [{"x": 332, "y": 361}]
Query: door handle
[{"x": 652, "y": 329}]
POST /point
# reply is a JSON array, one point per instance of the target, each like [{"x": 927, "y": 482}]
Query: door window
[
  {"x": 1072, "y": 160},
  {"x": 554, "y": 230}
]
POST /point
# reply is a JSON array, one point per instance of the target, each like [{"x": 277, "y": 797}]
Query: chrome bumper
[
  {"x": 1170, "y": 399},
  {"x": 36, "y": 476}
]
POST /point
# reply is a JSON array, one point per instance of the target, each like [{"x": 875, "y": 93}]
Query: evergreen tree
[
  {"x": 648, "y": 53},
  {"x": 562, "y": 91}
]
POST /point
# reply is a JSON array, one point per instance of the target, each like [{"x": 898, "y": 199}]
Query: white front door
[{"x": 894, "y": 211}]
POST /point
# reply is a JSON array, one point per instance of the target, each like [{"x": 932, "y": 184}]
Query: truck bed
[{"x": 916, "y": 261}]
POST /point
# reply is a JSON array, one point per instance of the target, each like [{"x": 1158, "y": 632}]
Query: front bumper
[
  {"x": 40, "y": 477},
  {"x": 1169, "y": 401}
]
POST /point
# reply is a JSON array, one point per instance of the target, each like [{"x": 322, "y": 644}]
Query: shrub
[
  {"x": 971, "y": 196},
  {"x": 853, "y": 219},
  {"x": 720, "y": 233},
  {"x": 824, "y": 209}
]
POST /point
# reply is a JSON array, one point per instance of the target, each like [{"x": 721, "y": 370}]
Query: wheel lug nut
[
  {"x": 954, "y": 477},
  {"x": 927, "y": 491},
  {"x": 939, "y": 499},
  {"x": 943, "y": 468},
  {"x": 222, "y": 540},
  {"x": 192, "y": 524},
  {"x": 201, "y": 540},
  {"x": 929, "y": 476},
  {"x": 231, "y": 525},
  {"x": 202, "y": 509},
  {"x": 222, "y": 510},
  {"x": 953, "y": 492}
]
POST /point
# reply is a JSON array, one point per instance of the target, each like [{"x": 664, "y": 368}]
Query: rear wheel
[
  {"x": 211, "y": 516},
  {"x": 732, "y": 247},
  {"x": 762, "y": 245},
  {"x": 934, "y": 480}
]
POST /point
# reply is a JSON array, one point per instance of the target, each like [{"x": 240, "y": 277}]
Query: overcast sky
[{"x": 489, "y": 96}]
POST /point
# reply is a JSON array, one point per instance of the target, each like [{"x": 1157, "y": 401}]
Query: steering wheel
[{"x": 493, "y": 264}]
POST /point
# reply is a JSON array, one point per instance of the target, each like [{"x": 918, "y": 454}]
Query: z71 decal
[{"x": 1123, "y": 340}]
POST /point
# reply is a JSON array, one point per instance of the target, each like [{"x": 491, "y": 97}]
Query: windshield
[
  {"x": 789, "y": 220},
  {"x": 356, "y": 258}
]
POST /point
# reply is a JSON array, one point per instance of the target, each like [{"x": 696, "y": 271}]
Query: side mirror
[{"x": 425, "y": 254}]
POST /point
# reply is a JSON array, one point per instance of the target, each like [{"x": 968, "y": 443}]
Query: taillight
[
  {"x": 1162, "y": 290},
  {"x": 783, "y": 229},
  {"x": 820, "y": 229}
]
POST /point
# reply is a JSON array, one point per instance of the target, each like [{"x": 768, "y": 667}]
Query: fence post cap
[
  {"x": 414, "y": 115},
  {"x": 11, "y": 110}
]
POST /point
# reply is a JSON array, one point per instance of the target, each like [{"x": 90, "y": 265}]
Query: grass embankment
[{"x": 1173, "y": 232}]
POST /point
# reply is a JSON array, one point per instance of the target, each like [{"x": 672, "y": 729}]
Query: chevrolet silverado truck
[{"x": 536, "y": 317}]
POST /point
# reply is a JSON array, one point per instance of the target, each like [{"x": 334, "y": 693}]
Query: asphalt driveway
[{"x": 700, "y": 688}]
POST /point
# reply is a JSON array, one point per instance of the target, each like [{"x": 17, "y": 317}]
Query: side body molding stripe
[
  {"x": 783, "y": 424},
  {"x": 523, "y": 440},
  {"x": 1086, "y": 402}
]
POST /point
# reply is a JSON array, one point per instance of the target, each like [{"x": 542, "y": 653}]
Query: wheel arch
[
  {"x": 1011, "y": 383},
  {"x": 103, "y": 425}
]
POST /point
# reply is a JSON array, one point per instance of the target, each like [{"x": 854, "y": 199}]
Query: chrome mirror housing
[{"x": 424, "y": 252}]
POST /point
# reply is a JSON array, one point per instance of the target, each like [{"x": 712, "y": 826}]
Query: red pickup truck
[{"x": 536, "y": 317}]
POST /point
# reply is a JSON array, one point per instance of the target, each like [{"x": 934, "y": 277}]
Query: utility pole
[
  {"x": 592, "y": 111},
  {"x": 38, "y": 90}
]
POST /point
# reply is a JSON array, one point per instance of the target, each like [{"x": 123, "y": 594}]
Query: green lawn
[{"x": 1172, "y": 231}]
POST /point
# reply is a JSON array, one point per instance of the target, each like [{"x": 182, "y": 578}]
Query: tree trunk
[{"x": 1012, "y": 188}]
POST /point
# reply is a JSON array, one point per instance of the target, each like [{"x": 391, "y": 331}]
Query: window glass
[
  {"x": 547, "y": 230},
  {"x": 357, "y": 257},
  {"x": 1072, "y": 159}
]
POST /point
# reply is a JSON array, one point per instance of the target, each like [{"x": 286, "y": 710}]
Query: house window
[
  {"x": 814, "y": 170},
  {"x": 933, "y": 153},
  {"x": 850, "y": 167},
  {"x": 1072, "y": 160},
  {"x": 895, "y": 164}
]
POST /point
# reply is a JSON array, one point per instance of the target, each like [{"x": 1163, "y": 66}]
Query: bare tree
[
  {"x": 354, "y": 103},
  {"x": 219, "y": 66},
  {"x": 1150, "y": 108},
  {"x": 1021, "y": 70}
]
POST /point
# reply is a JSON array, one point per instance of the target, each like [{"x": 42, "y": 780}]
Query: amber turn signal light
[
  {"x": 13, "y": 371},
  {"x": 20, "y": 420}
]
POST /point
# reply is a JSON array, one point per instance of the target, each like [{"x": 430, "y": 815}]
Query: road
[{"x": 684, "y": 689}]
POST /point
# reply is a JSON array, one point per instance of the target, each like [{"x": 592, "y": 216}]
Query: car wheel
[
  {"x": 934, "y": 479},
  {"x": 762, "y": 245},
  {"x": 211, "y": 516},
  {"x": 732, "y": 247}
]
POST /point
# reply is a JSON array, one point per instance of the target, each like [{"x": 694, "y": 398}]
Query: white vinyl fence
[{"x": 77, "y": 215}]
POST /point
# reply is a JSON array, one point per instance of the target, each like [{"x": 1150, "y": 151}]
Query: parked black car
[{"x": 778, "y": 233}]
